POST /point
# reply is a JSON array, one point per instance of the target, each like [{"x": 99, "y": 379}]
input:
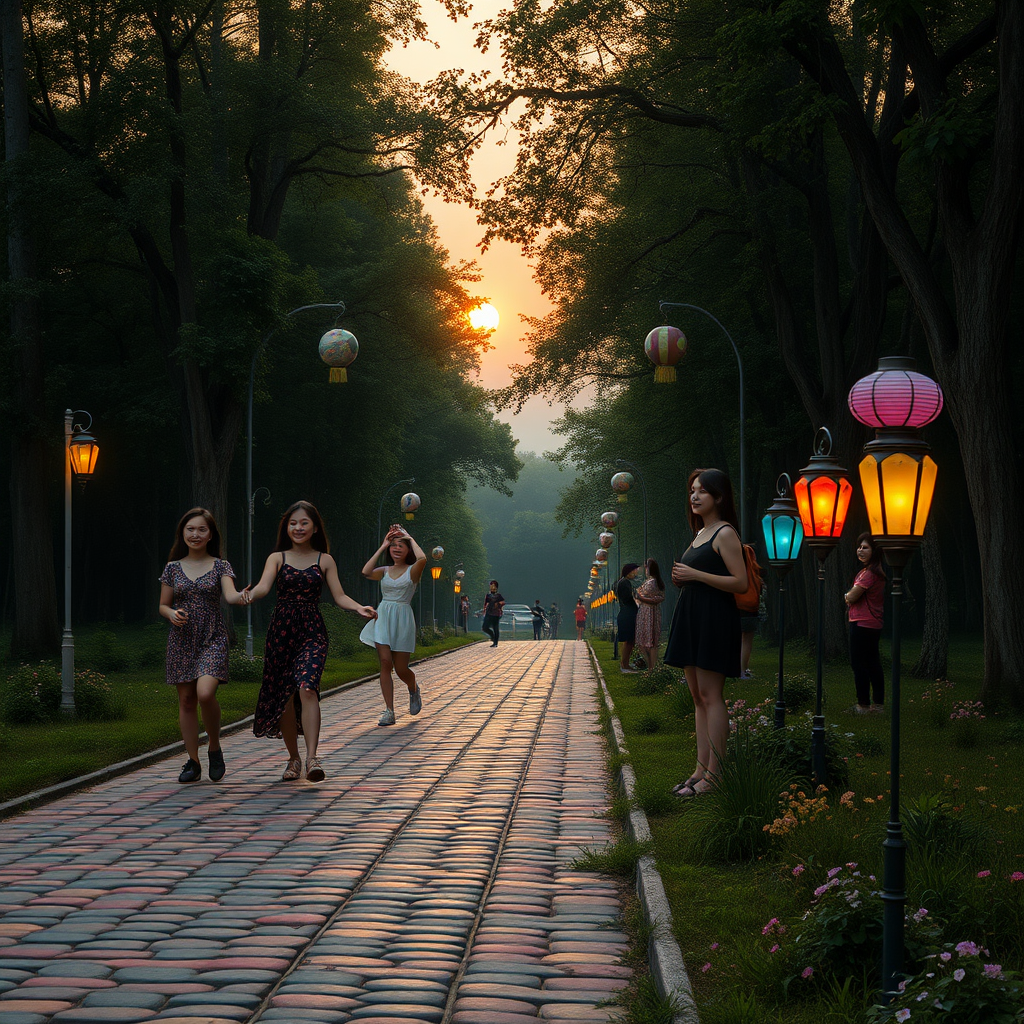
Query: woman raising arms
[
  {"x": 296, "y": 648},
  {"x": 705, "y": 637}
]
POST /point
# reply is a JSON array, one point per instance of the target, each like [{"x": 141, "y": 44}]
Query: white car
[{"x": 517, "y": 618}]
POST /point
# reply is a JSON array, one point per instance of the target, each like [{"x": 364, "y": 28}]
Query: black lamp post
[
  {"x": 823, "y": 495},
  {"x": 898, "y": 478},
  {"x": 783, "y": 539}
]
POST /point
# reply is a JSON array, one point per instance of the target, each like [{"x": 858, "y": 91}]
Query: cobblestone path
[{"x": 427, "y": 879}]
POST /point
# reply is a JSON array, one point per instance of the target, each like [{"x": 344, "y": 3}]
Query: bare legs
[
  {"x": 199, "y": 693},
  {"x": 397, "y": 661},
  {"x": 650, "y": 656},
  {"x": 625, "y": 650},
  {"x": 310, "y": 701},
  {"x": 746, "y": 647},
  {"x": 711, "y": 720}
]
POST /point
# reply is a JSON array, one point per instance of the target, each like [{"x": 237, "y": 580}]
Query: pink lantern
[
  {"x": 607, "y": 539},
  {"x": 665, "y": 346},
  {"x": 895, "y": 395},
  {"x": 609, "y": 520},
  {"x": 601, "y": 555}
]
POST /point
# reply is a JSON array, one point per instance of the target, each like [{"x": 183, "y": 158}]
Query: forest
[{"x": 834, "y": 182}]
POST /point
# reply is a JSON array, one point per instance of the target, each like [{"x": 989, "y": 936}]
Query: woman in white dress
[{"x": 393, "y": 632}]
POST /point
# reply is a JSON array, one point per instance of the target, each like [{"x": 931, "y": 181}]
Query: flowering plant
[
  {"x": 966, "y": 717},
  {"x": 958, "y": 984}
]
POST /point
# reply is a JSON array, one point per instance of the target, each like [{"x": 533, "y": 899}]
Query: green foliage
[
  {"x": 648, "y": 725},
  {"x": 104, "y": 652},
  {"x": 932, "y": 824},
  {"x": 243, "y": 669},
  {"x": 343, "y": 629},
  {"x": 31, "y": 694},
  {"x": 949, "y": 135},
  {"x": 789, "y": 749},
  {"x": 798, "y": 691},
  {"x": 95, "y": 700},
  {"x": 680, "y": 699},
  {"x": 867, "y": 744},
  {"x": 657, "y": 680},
  {"x": 619, "y": 858},
  {"x": 936, "y": 702}
]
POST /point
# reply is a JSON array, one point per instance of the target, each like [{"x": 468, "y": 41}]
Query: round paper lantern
[
  {"x": 460, "y": 574},
  {"x": 609, "y": 520},
  {"x": 665, "y": 346},
  {"x": 895, "y": 395},
  {"x": 601, "y": 555},
  {"x": 621, "y": 483},
  {"x": 607, "y": 539},
  {"x": 338, "y": 349},
  {"x": 409, "y": 503},
  {"x": 438, "y": 553}
]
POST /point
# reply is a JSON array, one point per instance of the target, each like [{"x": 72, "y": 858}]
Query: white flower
[{"x": 958, "y": 974}]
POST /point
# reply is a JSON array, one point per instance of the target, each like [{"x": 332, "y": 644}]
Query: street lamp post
[
  {"x": 898, "y": 477},
  {"x": 739, "y": 364},
  {"x": 457, "y": 575},
  {"x": 643, "y": 491},
  {"x": 250, "y": 495},
  {"x": 783, "y": 538},
  {"x": 80, "y": 454},
  {"x": 823, "y": 495}
]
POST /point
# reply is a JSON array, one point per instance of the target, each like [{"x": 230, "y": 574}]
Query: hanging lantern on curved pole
[
  {"x": 898, "y": 476},
  {"x": 665, "y": 346},
  {"x": 823, "y": 495},
  {"x": 338, "y": 349},
  {"x": 408, "y": 503},
  {"x": 621, "y": 483},
  {"x": 609, "y": 520}
]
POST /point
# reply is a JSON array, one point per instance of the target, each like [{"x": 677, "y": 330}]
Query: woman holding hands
[
  {"x": 705, "y": 637},
  {"x": 296, "y": 648},
  {"x": 394, "y": 631}
]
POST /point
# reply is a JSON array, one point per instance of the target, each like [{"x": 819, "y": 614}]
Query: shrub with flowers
[
  {"x": 966, "y": 718},
  {"x": 31, "y": 694},
  {"x": 748, "y": 716},
  {"x": 960, "y": 985},
  {"x": 936, "y": 703},
  {"x": 797, "y": 808}
]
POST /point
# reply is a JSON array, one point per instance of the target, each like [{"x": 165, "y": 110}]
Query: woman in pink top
[{"x": 865, "y": 600}]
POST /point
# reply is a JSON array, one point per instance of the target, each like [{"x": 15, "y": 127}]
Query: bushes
[
  {"x": 790, "y": 750},
  {"x": 32, "y": 696},
  {"x": 243, "y": 669}
]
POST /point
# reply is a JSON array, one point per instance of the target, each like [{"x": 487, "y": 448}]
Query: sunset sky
[{"x": 507, "y": 278}]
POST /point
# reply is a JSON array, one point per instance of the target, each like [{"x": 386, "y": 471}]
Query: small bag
[{"x": 750, "y": 600}]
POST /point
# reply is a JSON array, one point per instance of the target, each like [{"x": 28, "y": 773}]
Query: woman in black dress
[
  {"x": 626, "y": 622},
  {"x": 705, "y": 637}
]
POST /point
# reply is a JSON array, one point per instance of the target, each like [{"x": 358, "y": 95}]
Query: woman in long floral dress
[
  {"x": 296, "y": 647},
  {"x": 649, "y": 596}
]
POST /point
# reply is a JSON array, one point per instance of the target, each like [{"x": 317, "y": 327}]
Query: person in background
[
  {"x": 537, "y": 611},
  {"x": 649, "y": 596},
  {"x": 865, "y": 601},
  {"x": 494, "y": 605},
  {"x": 705, "y": 636},
  {"x": 554, "y": 620},
  {"x": 580, "y": 612},
  {"x": 191, "y": 586},
  {"x": 626, "y": 622},
  {"x": 464, "y": 612}
]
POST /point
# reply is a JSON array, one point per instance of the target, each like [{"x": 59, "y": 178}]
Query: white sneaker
[{"x": 387, "y": 717}]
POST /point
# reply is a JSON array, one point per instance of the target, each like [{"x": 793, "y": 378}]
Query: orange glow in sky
[
  {"x": 507, "y": 280},
  {"x": 484, "y": 317}
]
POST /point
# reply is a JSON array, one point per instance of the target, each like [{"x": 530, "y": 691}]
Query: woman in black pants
[
  {"x": 626, "y": 622},
  {"x": 865, "y": 600}
]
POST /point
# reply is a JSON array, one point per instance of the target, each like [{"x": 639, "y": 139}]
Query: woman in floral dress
[
  {"x": 649, "y": 596},
  {"x": 191, "y": 586},
  {"x": 296, "y": 647}
]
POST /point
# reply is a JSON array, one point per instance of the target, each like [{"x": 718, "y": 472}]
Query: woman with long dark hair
[
  {"x": 191, "y": 586},
  {"x": 865, "y": 601},
  {"x": 296, "y": 647},
  {"x": 649, "y": 596},
  {"x": 705, "y": 636},
  {"x": 625, "y": 624}
]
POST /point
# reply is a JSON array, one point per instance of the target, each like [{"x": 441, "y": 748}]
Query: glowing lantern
[
  {"x": 823, "y": 495},
  {"x": 782, "y": 528},
  {"x": 409, "y": 503},
  {"x": 435, "y": 572},
  {"x": 607, "y": 539},
  {"x": 665, "y": 346},
  {"x": 609, "y": 520},
  {"x": 897, "y": 473},
  {"x": 594, "y": 570},
  {"x": 458, "y": 586},
  {"x": 83, "y": 451},
  {"x": 460, "y": 574},
  {"x": 338, "y": 349},
  {"x": 621, "y": 483},
  {"x": 601, "y": 555},
  {"x": 438, "y": 553}
]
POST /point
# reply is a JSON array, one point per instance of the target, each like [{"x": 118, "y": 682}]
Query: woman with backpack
[
  {"x": 865, "y": 600},
  {"x": 705, "y": 636}
]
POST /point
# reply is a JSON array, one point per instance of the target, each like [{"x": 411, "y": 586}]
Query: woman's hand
[
  {"x": 367, "y": 611},
  {"x": 682, "y": 573},
  {"x": 178, "y": 617}
]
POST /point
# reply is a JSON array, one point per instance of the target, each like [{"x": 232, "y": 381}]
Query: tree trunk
[
  {"x": 36, "y": 630},
  {"x": 935, "y": 640}
]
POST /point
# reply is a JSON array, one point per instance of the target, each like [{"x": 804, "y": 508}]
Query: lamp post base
[{"x": 67, "y": 674}]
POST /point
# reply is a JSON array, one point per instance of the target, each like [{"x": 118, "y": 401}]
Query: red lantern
[
  {"x": 823, "y": 495},
  {"x": 665, "y": 346}
]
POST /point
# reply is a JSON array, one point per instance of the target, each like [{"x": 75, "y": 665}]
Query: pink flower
[
  {"x": 945, "y": 957},
  {"x": 800, "y": 869},
  {"x": 958, "y": 974},
  {"x": 902, "y": 1015},
  {"x": 993, "y": 970},
  {"x": 775, "y": 948},
  {"x": 1017, "y": 876},
  {"x": 967, "y": 948},
  {"x": 706, "y": 968},
  {"x": 984, "y": 874},
  {"x": 769, "y": 926},
  {"x": 832, "y": 872},
  {"x": 852, "y": 865},
  {"x": 902, "y": 986},
  {"x": 807, "y": 972},
  {"x": 714, "y": 945}
]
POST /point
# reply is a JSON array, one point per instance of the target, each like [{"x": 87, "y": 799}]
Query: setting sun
[{"x": 484, "y": 317}]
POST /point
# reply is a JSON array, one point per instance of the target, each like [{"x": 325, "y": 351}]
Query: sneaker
[
  {"x": 387, "y": 717},
  {"x": 216, "y": 765},
  {"x": 860, "y": 709},
  {"x": 876, "y": 709},
  {"x": 292, "y": 770},
  {"x": 415, "y": 702},
  {"x": 747, "y": 675},
  {"x": 191, "y": 772},
  {"x": 314, "y": 770}
]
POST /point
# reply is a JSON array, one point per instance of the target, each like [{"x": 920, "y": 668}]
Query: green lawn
[
  {"x": 729, "y": 904},
  {"x": 36, "y": 756}
]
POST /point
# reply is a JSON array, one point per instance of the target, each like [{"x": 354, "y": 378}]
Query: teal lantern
[{"x": 782, "y": 528}]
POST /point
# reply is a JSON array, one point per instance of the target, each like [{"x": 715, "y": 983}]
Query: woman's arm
[
  {"x": 421, "y": 560},
  {"x": 270, "y": 571},
  {"x": 330, "y": 570},
  {"x": 373, "y": 571},
  {"x": 854, "y": 594},
  {"x": 727, "y": 544},
  {"x": 231, "y": 593},
  {"x": 173, "y": 615}
]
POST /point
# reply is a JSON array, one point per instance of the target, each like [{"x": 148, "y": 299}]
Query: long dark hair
[
  {"x": 179, "y": 548},
  {"x": 875, "y": 564},
  {"x": 318, "y": 541},
  {"x": 718, "y": 485},
  {"x": 655, "y": 573}
]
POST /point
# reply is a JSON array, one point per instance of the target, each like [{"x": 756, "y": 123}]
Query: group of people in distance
[
  {"x": 196, "y": 578},
  {"x": 706, "y": 638}
]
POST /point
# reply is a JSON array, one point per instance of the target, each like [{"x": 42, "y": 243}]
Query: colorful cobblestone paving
[{"x": 427, "y": 880}]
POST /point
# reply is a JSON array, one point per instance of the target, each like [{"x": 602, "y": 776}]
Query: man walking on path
[
  {"x": 537, "y": 611},
  {"x": 494, "y": 605}
]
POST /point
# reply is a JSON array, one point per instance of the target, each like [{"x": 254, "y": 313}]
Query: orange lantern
[{"x": 823, "y": 495}]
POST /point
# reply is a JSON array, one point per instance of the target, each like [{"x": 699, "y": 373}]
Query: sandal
[
  {"x": 681, "y": 789},
  {"x": 293, "y": 770}
]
